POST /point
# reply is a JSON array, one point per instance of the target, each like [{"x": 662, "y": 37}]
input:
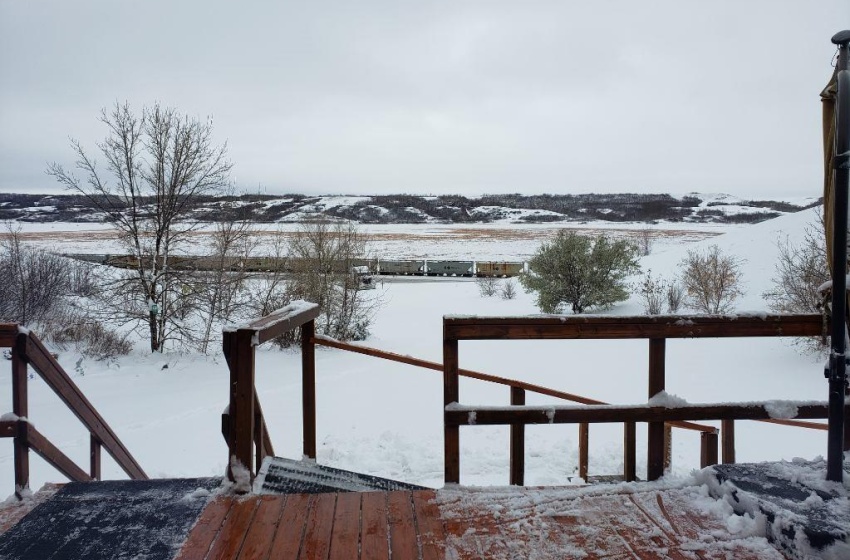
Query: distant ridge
[{"x": 415, "y": 209}]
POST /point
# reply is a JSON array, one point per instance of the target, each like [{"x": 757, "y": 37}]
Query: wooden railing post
[
  {"x": 20, "y": 409},
  {"x": 583, "y": 445},
  {"x": 708, "y": 449},
  {"x": 94, "y": 457},
  {"x": 451, "y": 434},
  {"x": 308, "y": 387},
  {"x": 727, "y": 436},
  {"x": 655, "y": 430},
  {"x": 668, "y": 447},
  {"x": 241, "y": 400},
  {"x": 517, "y": 441},
  {"x": 629, "y": 451}
]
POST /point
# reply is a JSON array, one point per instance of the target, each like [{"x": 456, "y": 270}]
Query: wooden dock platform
[
  {"x": 468, "y": 524},
  {"x": 167, "y": 520}
]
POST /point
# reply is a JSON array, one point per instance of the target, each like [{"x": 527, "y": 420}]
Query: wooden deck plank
[
  {"x": 205, "y": 530},
  {"x": 317, "y": 536},
  {"x": 432, "y": 535},
  {"x": 233, "y": 531},
  {"x": 290, "y": 530},
  {"x": 374, "y": 539},
  {"x": 677, "y": 512},
  {"x": 402, "y": 528},
  {"x": 429, "y": 525},
  {"x": 345, "y": 542},
  {"x": 258, "y": 540}
]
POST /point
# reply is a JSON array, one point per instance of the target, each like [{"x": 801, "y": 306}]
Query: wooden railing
[
  {"x": 654, "y": 328},
  {"x": 243, "y": 424},
  {"x": 246, "y": 433},
  {"x": 28, "y": 351},
  {"x": 518, "y": 391}
]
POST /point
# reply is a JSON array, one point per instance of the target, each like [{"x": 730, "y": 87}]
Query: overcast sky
[{"x": 421, "y": 97}]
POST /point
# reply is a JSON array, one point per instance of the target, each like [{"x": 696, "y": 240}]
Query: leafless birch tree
[{"x": 157, "y": 166}]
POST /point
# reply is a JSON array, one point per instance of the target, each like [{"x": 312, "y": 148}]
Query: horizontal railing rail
[
  {"x": 29, "y": 351},
  {"x": 654, "y": 328}
]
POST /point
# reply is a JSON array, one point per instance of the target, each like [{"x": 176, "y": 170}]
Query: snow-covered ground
[
  {"x": 385, "y": 419},
  {"x": 498, "y": 241}
]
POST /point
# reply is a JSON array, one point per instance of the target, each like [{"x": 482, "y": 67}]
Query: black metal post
[{"x": 838, "y": 364}]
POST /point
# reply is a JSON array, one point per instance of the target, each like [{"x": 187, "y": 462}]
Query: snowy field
[
  {"x": 385, "y": 419},
  {"x": 497, "y": 241}
]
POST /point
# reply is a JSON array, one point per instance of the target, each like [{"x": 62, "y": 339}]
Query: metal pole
[{"x": 838, "y": 364}]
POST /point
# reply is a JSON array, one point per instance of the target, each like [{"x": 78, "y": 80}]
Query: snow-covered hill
[{"x": 414, "y": 209}]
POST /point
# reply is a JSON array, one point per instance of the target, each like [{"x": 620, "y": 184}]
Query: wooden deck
[{"x": 466, "y": 524}]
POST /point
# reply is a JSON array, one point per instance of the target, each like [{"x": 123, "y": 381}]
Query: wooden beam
[
  {"x": 8, "y": 428},
  {"x": 53, "y": 455},
  {"x": 643, "y": 326},
  {"x": 655, "y": 430},
  {"x": 708, "y": 449},
  {"x": 242, "y": 399},
  {"x": 20, "y": 407},
  {"x": 8, "y": 334},
  {"x": 517, "y": 458},
  {"x": 727, "y": 437},
  {"x": 492, "y": 416},
  {"x": 94, "y": 457},
  {"x": 629, "y": 451},
  {"x": 583, "y": 449},
  {"x": 308, "y": 387},
  {"x": 55, "y": 377},
  {"x": 451, "y": 433}
]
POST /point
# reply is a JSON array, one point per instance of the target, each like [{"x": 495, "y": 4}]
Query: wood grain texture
[{"x": 206, "y": 529}]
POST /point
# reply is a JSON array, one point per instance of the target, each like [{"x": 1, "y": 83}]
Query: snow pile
[
  {"x": 667, "y": 400},
  {"x": 808, "y": 516}
]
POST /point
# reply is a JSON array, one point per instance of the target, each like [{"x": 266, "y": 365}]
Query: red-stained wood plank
[
  {"x": 374, "y": 537},
  {"x": 320, "y": 522},
  {"x": 261, "y": 533},
  {"x": 290, "y": 530},
  {"x": 232, "y": 533},
  {"x": 205, "y": 530},
  {"x": 345, "y": 541},
  {"x": 432, "y": 536},
  {"x": 402, "y": 527}
]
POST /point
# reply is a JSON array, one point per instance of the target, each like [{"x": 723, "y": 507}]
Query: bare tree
[
  {"x": 322, "y": 256},
  {"x": 271, "y": 290},
  {"x": 508, "y": 290},
  {"x": 644, "y": 240},
  {"x": 488, "y": 286},
  {"x": 651, "y": 292},
  {"x": 800, "y": 271},
  {"x": 32, "y": 282},
  {"x": 217, "y": 291},
  {"x": 712, "y": 279},
  {"x": 157, "y": 167},
  {"x": 675, "y": 295}
]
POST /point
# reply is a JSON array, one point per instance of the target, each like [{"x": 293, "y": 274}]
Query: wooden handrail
[
  {"x": 28, "y": 350},
  {"x": 55, "y": 377},
  {"x": 515, "y": 383}
]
